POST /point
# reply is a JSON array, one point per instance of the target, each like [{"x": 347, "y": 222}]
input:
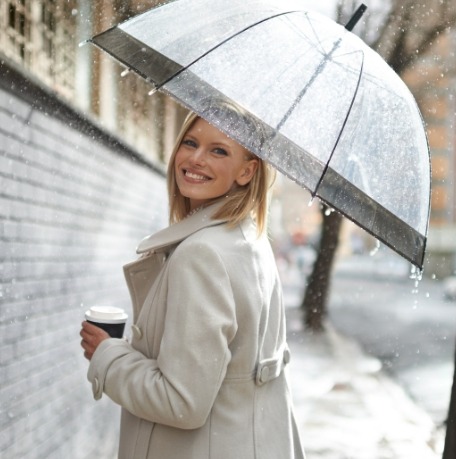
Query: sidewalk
[{"x": 346, "y": 407}]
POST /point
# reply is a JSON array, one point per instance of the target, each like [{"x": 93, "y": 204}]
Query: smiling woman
[
  {"x": 244, "y": 187},
  {"x": 203, "y": 373}
]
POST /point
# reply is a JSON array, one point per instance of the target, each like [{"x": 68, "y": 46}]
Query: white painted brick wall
[{"x": 73, "y": 206}]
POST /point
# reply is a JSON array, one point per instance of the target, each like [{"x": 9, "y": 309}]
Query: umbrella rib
[
  {"x": 316, "y": 36},
  {"x": 318, "y": 70},
  {"x": 160, "y": 85},
  {"x": 308, "y": 37},
  {"x": 342, "y": 129}
]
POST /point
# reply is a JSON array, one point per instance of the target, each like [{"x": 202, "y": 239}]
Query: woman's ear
[{"x": 247, "y": 172}]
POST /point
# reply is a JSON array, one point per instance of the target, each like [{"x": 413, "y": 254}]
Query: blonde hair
[{"x": 251, "y": 198}]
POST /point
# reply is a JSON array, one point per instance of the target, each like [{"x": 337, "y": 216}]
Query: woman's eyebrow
[{"x": 224, "y": 144}]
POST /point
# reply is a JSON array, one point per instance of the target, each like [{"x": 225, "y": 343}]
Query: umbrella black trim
[
  {"x": 148, "y": 63},
  {"x": 354, "y": 204}
]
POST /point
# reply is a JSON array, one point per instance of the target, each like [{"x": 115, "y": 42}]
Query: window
[
  {"x": 15, "y": 20},
  {"x": 140, "y": 115},
  {"x": 41, "y": 36}
]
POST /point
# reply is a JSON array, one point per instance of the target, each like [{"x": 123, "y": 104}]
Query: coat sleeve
[{"x": 180, "y": 386}]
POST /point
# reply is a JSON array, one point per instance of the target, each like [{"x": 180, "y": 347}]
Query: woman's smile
[{"x": 197, "y": 177}]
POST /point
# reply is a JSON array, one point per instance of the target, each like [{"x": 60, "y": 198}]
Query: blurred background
[{"x": 83, "y": 152}]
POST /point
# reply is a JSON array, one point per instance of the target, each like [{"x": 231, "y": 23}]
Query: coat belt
[{"x": 269, "y": 369}]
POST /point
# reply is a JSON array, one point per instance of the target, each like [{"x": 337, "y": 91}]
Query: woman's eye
[
  {"x": 220, "y": 151},
  {"x": 189, "y": 143}
]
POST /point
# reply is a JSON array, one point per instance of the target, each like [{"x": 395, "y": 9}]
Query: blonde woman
[{"x": 202, "y": 376}]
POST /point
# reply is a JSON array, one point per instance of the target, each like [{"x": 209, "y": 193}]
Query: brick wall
[{"x": 74, "y": 203}]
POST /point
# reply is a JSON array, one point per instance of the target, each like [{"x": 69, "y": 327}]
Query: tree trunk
[
  {"x": 449, "y": 451},
  {"x": 314, "y": 302}
]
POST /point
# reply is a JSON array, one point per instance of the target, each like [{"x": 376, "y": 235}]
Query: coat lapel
[{"x": 172, "y": 235}]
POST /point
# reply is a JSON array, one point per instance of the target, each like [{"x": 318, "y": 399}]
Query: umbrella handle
[{"x": 356, "y": 17}]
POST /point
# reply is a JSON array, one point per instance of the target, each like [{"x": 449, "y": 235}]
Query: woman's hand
[{"x": 91, "y": 336}]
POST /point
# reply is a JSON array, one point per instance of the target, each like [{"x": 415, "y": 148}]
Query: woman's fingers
[{"x": 91, "y": 336}]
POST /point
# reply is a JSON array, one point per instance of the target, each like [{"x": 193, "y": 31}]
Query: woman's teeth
[{"x": 195, "y": 176}]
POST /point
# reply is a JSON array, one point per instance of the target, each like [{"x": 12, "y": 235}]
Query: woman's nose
[{"x": 198, "y": 156}]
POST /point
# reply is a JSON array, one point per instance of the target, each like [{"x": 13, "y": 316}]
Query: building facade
[{"x": 47, "y": 39}]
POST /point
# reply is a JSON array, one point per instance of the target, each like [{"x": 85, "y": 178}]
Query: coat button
[
  {"x": 286, "y": 356},
  {"x": 137, "y": 332},
  {"x": 95, "y": 386},
  {"x": 97, "y": 389},
  {"x": 264, "y": 377}
]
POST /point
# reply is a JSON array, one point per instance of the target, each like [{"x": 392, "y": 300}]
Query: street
[{"x": 408, "y": 326}]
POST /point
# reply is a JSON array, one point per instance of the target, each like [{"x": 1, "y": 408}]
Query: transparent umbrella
[{"x": 334, "y": 116}]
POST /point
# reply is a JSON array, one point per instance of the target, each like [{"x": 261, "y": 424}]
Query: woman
[{"x": 203, "y": 374}]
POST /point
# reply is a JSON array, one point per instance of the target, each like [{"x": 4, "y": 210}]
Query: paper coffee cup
[{"x": 109, "y": 318}]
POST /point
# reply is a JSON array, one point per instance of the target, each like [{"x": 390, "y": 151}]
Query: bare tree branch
[{"x": 411, "y": 29}]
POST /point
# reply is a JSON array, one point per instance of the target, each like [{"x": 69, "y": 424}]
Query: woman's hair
[{"x": 242, "y": 200}]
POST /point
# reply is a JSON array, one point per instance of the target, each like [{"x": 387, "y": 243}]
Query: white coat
[{"x": 203, "y": 375}]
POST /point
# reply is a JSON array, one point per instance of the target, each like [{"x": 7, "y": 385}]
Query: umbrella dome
[{"x": 333, "y": 116}]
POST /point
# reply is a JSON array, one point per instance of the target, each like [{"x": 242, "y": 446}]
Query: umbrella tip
[
  {"x": 84, "y": 42},
  {"x": 356, "y": 17}
]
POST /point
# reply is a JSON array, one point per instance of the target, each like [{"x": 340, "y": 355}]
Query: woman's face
[{"x": 208, "y": 164}]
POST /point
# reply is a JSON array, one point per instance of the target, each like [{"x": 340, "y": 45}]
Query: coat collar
[{"x": 176, "y": 233}]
